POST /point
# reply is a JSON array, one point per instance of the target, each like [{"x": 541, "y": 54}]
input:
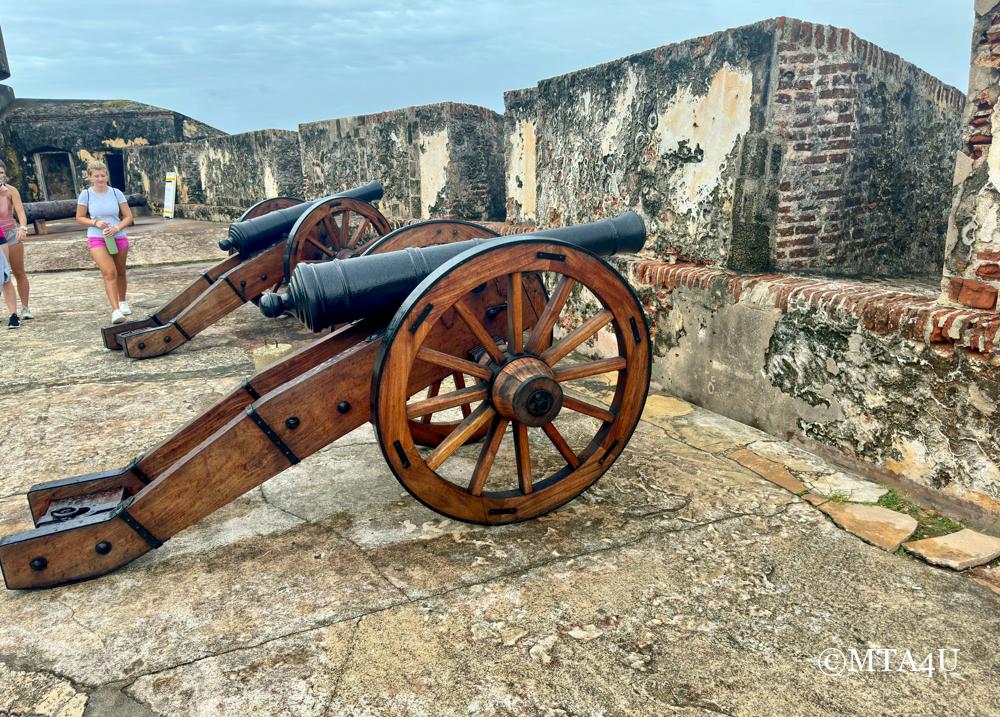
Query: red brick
[
  {"x": 804, "y": 251},
  {"x": 989, "y": 271},
  {"x": 815, "y": 159},
  {"x": 838, "y": 158},
  {"x": 972, "y": 293},
  {"x": 810, "y": 229},
  {"x": 980, "y": 139},
  {"x": 803, "y": 59},
  {"x": 838, "y": 94},
  {"x": 786, "y": 231},
  {"x": 988, "y": 255}
]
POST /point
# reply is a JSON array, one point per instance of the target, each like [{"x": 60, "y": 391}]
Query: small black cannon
[
  {"x": 38, "y": 213},
  {"x": 484, "y": 344}
]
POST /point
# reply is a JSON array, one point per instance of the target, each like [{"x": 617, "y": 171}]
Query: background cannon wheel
[
  {"x": 545, "y": 444},
  {"x": 426, "y": 430},
  {"x": 266, "y": 206},
  {"x": 334, "y": 228}
]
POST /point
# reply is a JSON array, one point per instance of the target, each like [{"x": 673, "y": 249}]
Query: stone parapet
[
  {"x": 876, "y": 372},
  {"x": 434, "y": 160},
  {"x": 218, "y": 178}
]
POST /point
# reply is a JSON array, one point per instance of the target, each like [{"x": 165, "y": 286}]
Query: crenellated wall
[
  {"x": 434, "y": 160},
  {"x": 782, "y": 144}
]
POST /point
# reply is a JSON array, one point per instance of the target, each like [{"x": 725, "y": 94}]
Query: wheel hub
[{"x": 525, "y": 390}]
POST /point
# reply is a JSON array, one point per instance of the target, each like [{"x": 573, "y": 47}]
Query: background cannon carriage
[
  {"x": 494, "y": 311},
  {"x": 265, "y": 245}
]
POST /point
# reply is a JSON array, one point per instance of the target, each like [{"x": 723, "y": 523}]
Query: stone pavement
[{"x": 682, "y": 583}]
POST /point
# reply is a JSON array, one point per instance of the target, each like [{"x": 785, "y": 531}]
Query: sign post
[{"x": 169, "y": 195}]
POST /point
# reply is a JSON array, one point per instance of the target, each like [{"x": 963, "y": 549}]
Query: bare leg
[
  {"x": 109, "y": 274},
  {"x": 20, "y": 276},
  {"x": 119, "y": 259},
  {"x": 8, "y": 288}
]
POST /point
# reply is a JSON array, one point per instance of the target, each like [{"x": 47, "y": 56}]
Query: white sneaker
[
  {"x": 117, "y": 316},
  {"x": 26, "y": 313},
  {"x": 124, "y": 308}
]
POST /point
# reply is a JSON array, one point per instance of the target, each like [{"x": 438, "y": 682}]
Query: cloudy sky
[{"x": 249, "y": 64}]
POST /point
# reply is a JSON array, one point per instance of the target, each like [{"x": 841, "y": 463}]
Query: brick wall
[
  {"x": 868, "y": 155},
  {"x": 972, "y": 256}
]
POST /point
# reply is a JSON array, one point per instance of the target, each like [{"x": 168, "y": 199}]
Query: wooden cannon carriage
[
  {"x": 266, "y": 244},
  {"x": 38, "y": 213},
  {"x": 494, "y": 312}
]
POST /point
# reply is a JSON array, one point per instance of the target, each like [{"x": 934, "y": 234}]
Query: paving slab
[
  {"x": 845, "y": 485},
  {"x": 874, "y": 524},
  {"x": 958, "y": 551},
  {"x": 681, "y": 583}
]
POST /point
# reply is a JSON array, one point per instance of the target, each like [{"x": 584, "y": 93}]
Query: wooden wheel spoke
[
  {"x": 446, "y": 401},
  {"x": 561, "y": 445},
  {"x": 576, "y": 337},
  {"x": 439, "y": 358},
  {"x": 540, "y": 334},
  {"x": 345, "y": 220},
  {"x": 321, "y": 246},
  {"x": 331, "y": 231},
  {"x": 591, "y": 368},
  {"x": 459, "y": 378},
  {"x": 523, "y": 456},
  {"x": 359, "y": 233},
  {"x": 463, "y": 431},
  {"x": 515, "y": 313},
  {"x": 487, "y": 455},
  {"x": 434, "y": 390},
  {"x": 588, "y": 409},
  {"x": 479, "y": 331}
]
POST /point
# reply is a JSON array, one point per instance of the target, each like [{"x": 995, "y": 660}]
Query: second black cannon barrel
[
  {"x": 253, "y": 235},
  {"x": 335, "y": 292}
]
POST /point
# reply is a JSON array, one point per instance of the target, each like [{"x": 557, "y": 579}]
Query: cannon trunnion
[{"x": 479, "y": 359}]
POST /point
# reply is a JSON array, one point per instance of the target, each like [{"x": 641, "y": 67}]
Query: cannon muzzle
[
  {"x": 254, "y": 235},
  {"x": 339, "y": 291}
]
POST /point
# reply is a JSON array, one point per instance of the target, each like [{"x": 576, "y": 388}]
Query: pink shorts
[{"x": 98, "y": 243}]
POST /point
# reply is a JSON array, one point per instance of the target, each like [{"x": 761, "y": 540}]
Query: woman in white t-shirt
[{"x": 104, "y": 211}]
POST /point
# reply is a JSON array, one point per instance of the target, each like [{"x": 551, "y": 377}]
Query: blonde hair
[{"x": 96, "y": 165}]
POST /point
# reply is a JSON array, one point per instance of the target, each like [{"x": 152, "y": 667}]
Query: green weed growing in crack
[{"x": 930, "y": 523}]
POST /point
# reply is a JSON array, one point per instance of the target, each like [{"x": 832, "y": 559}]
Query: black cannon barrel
[
  {"x": 66, "y": 208},
  {"x": 254, "y": 235},
  {"x": 338, "y": 291}
]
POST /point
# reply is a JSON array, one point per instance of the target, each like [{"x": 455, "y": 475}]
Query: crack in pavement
[
  {"x": 342, "y": 670},
  {"x": 521, "y": 570}
]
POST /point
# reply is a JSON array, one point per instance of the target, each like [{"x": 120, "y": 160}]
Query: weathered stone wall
[
  {"x": 869, "y": 149},
  {"x": 219, "y": 178},
  {"x": 520, "y": 125},
  {"x": 972, "y": 255},
  {"x": 434, "y": 160},
  {"x": 85, "y": 129},
  {"x": 781, "y": 144},
  {"x": 662, "y": 132},
  {"x": 879, "y": 374}
]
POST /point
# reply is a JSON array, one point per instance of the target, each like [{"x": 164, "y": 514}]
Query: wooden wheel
[
  {"x": 554, "y": 443},
  {"x": 334, "y": 228},
  {"x": 266, "y": 206},
  {"x": 426, "y": 430}
]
